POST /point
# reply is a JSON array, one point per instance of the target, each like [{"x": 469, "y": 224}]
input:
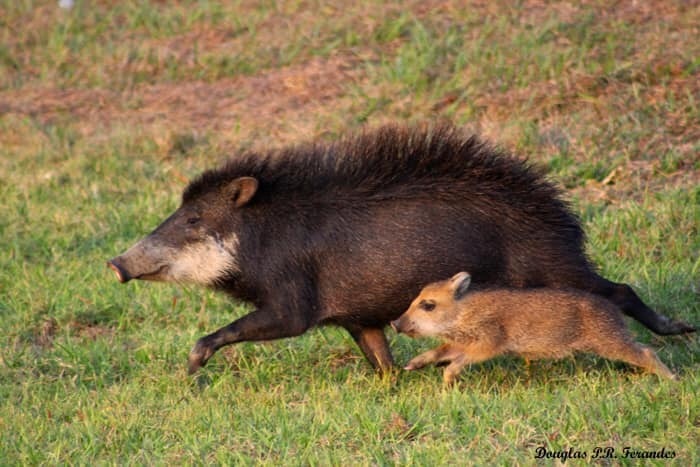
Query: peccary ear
[
  {"x": 460, "y": 284},
  {"x": 241, "y": 190}
]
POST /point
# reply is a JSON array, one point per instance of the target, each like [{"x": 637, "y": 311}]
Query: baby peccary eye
[
  {"x": 193, "y": 220},
  {"x": 427, "y": 305}
]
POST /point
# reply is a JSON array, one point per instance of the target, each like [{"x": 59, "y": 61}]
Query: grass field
[{"x": 107, "y": 109}]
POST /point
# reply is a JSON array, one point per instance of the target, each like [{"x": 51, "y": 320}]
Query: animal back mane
[
  {"x": 380, "y": 160},
  {"x": 429, "y": 162}
]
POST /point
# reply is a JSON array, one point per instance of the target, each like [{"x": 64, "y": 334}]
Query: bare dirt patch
[
  {"x": 323, "y": 94},
  {"x": 296, "y": 95},
  {"x": 45, "y": 332},
  {"x": 90, "y": 331}
]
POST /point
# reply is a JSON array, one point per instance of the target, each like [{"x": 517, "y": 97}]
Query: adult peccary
[
  {"x": 533, "y": 323},
  {"x": 347, "y": 233}
]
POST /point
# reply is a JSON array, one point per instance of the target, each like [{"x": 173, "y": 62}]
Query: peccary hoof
[
  {"x": 677, "y": 327},
  {"x": 199, "y": 355}
]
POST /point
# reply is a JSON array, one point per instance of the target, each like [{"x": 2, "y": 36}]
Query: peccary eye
[
  {"x": 427, "y": 306},
  {"x": 193, "y": 220}
]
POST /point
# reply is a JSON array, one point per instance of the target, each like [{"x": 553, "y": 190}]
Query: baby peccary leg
[
  {"x": 637, "y": 355},
  {"x": 455, "y": 368},
  {"x": 475, "y": 352},
  {"x": 458, "y": 355},
  {"x": 444, "y": 353}
]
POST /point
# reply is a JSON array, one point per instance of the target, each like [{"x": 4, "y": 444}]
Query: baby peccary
[{"x": 532, "y": 323}]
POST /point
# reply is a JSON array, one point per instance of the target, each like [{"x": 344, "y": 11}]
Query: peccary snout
[
  {"x": 402, "y": 325},
  {"x": 119, "y": 270},
  {"x": 395, "y": 325},
  {"x": 146, "y": 261}
]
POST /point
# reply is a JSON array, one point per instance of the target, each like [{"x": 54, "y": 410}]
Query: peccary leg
[
  {"x": 475, "y": 352},
  {"x": 443, "y": 353},
  {"x": 256, "y": 326},
  {"x": 454, "y": 369},
  {"x": 624, "y": 297},
  {"x": 374, "y": 346},
  {"x": 458, "y": 355},
  {"x": 637, "y": 355}
]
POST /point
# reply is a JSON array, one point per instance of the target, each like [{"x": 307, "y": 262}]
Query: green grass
[{"x": 105, "y": 112}]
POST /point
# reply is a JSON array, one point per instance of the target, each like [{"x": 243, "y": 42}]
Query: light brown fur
[{"x": 532, "y": 323}]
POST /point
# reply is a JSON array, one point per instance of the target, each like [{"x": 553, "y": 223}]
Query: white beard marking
[{"x": 204, "y": 262}]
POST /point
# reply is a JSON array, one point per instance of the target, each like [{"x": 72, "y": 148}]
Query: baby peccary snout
[{"x": 532, "y": 323}]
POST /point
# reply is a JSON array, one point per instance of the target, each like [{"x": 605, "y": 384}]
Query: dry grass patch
[{"x": 297, "y": 95}]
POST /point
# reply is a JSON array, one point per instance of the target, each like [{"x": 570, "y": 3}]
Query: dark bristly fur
[
  {"x": 398, "y": 162},
  {"x": 348, "y": 232}
]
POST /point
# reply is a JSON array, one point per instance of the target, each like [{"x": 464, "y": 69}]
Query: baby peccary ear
[
  {"x": 460, "y": 284},
  {"x": 241, "y": 190}
]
